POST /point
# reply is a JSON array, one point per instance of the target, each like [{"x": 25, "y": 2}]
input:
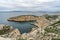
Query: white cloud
[
  {"x": 21, "y": 2},
  {"x": 44, "y": 0},
  {"x": 30, "y": 4}
]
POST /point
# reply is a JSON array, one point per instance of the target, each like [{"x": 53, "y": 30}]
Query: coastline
[{"x": 44, "y": 26}]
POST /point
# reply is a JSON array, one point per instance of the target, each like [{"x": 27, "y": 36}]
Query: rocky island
[
  {"x": 23, "y": 18},
  {"x": 48, "y": 28}
]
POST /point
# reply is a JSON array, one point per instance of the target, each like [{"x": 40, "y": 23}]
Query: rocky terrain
[
  {"x": 48, "y": 28},
  {"x": 8, "y": 33}
]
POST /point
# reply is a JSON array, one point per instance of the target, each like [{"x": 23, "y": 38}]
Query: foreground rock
[
  {"x": 14, "y": 34},
  {"x": 2, "y": 38},
  {"x": 8, "y": 33}
]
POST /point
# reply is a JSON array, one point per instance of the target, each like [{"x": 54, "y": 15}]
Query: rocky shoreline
[{"x": 48, "y": 28}]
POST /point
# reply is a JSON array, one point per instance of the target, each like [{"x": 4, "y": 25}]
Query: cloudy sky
[{"x": 29, "y": 5}]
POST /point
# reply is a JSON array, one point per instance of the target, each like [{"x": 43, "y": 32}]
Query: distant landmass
[{"x": 34, "y": 11}]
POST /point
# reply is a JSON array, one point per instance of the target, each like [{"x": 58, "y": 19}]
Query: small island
[{"x": 23, "y": 18}]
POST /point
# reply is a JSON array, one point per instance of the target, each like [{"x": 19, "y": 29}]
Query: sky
[{"x": 30, "y": 5}]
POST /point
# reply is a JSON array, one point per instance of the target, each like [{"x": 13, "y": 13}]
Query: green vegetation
[
  {"x": 5, "y": 30},
  {"x": 21, "y": 39},
  {"x": 51, "y": 30},
  {"x": 54, "y": 28},
  {"x": 51, "y": 17},
  {"x": 55, "y": 23},
  {"x": 55, "y": 39}
]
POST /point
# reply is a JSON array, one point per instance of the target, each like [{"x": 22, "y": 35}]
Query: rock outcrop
[
  {"x": 23, "y": 18},
  {"x": 3, "y": 26},
  {"x": 2, "y": 38},
  {"x": 14, "y": 34},
  {"x": 8, "y": 33},
  {"x": 42, "y": 22}
]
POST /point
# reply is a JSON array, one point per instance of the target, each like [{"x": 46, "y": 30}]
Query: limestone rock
[
  {"x": 2, "y": 26},
  {"x": 42, "y": 22},
  {"x": 14, "y": 34},
  {"x": 34, "y": 35},
  {"x": 2, "y": 38}
]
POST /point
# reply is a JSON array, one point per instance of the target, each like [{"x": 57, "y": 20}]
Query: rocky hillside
[{"x": 50, "y": 31}]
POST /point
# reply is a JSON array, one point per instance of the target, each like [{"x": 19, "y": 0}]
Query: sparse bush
[
  {"x": 21, "y": 39},
  {"x": 51, "y": 17},
  {"x": 55, "y": 39},
  {"x": 5, "y": 30}
]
